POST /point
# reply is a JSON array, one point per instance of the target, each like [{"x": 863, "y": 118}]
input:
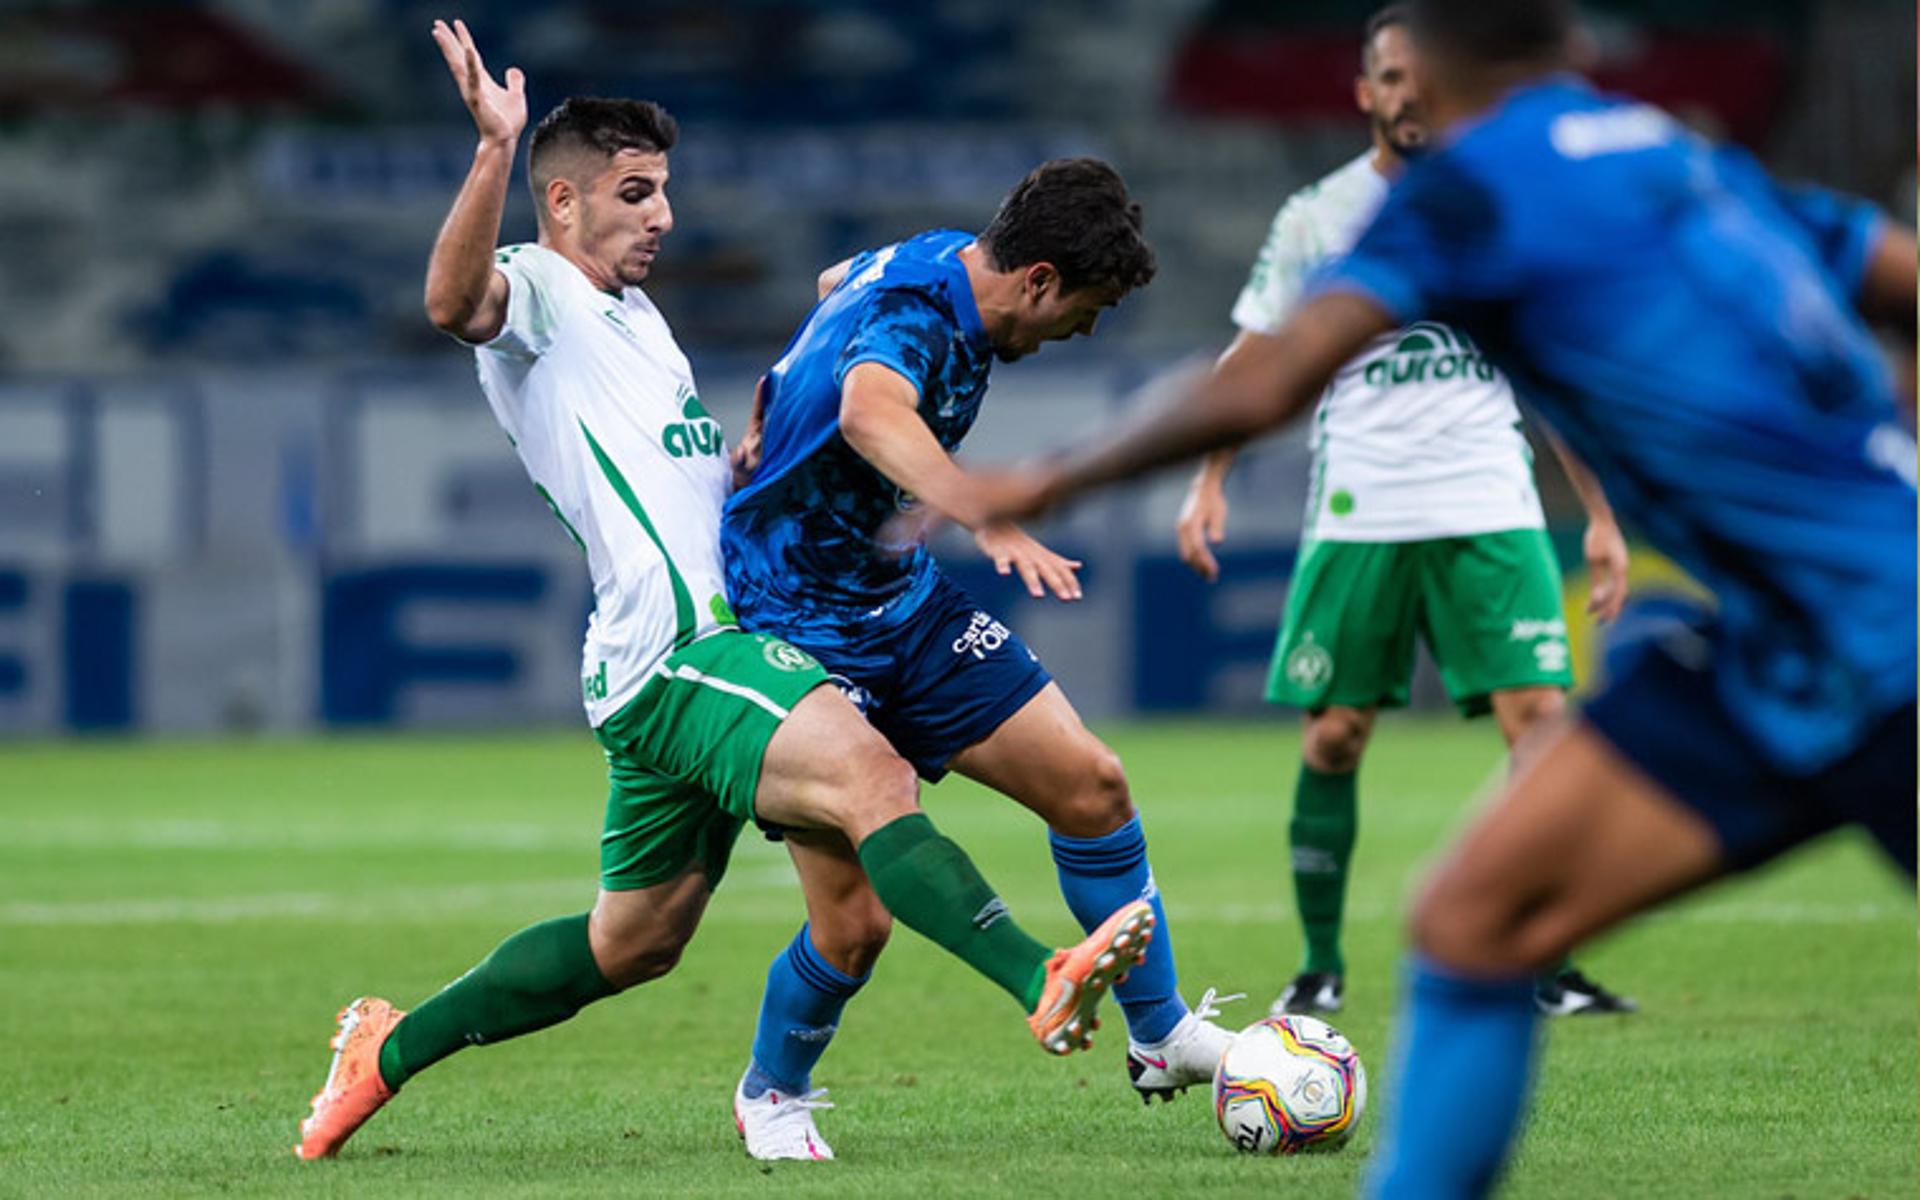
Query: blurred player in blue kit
[
  {"x": 1694, "y": 331},
  {"x": 858, "y": 418}
]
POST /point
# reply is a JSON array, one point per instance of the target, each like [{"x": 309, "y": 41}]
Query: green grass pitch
[{"x": 179, "y": 922}]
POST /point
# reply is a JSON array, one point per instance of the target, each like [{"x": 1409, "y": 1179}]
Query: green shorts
[
  {"x": 684, "y": 755},
  {"x": 1488, "y": 606}
]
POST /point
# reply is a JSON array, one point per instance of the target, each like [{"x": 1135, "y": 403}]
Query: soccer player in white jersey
[
  {"x": 705, "y": 726},
  {"x": 1422, "y": 518}
]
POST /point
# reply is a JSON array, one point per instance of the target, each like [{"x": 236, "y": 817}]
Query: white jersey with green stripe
[
  {"x": 600, "y": 403},
  {"x": 1418, "y": 437}
]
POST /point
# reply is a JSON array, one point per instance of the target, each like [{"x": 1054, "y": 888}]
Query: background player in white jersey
[
  {"x": 705, "y": 726},
  {"x": 1422, "y": 518}
]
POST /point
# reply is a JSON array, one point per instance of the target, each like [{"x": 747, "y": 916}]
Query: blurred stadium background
[{"x": 244, "y": 485}]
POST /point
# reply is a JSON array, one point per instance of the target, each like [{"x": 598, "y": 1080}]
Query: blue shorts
[
  {"x": 944, "y": 678},
  {"x": 1662, "y": 711}
]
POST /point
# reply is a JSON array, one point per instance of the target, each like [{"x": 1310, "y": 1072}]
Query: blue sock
[
  {"x": 1466, "y": 1045},
  {"x": 798, "y": 1015},
  {"x": 1097, "y": 876}
]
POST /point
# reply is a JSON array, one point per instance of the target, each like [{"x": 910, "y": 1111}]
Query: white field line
[{"x": 766, "y": 892}]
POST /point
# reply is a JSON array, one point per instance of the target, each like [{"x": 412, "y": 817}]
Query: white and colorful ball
[{"x": 1287, "y": 1084}]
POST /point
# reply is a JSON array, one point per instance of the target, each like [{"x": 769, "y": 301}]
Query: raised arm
[
  {"x": 1270, "y": 382},
  {"x": 465, "y": 296}
]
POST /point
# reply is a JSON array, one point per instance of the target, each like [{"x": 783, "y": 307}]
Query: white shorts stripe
[{"x": 690, "y": 675}]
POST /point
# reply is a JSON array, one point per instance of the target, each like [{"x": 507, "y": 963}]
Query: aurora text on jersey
[{"x": 1696, "y": 345}]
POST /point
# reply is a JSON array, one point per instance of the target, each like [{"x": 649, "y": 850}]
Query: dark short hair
[
  {"x": 1074, "y": 213},
  {"x": 1493, "y": 31},
  {"x": 1386, "y": 18},
  {"x": 593, "y": 123}
]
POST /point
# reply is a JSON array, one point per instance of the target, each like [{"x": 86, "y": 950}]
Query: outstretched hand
[
  {"x": 499, "y": 113},
  {"x": 1014, "y": 551}
]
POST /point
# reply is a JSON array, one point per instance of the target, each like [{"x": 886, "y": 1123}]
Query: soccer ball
[{"x": 1286, "y": 1084}]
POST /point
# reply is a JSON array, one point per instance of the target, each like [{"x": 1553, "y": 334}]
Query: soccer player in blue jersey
[
  {"x": 859, "y": 417},
  {"x": 1695, "y": 332}
]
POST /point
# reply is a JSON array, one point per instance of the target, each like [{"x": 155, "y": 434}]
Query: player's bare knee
[
  {"x": 1100, "y": 802},
  {"x": 1459, "y": 924},
  {"x": 1526, "y": 713},
  {"x": 854, "y": 940},
  {"x": 1334, "y": 741},
  {"x": 640, "y": 960},
  {"x": 874, "y": 787}
]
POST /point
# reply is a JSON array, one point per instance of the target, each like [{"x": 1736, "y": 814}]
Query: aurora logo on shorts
[
  {"x": 698, "y": 435},
  {"x": 1429, "y": 353},
  {"x": 594, "y": 686},
  {"x": 1309, "y": 665}
]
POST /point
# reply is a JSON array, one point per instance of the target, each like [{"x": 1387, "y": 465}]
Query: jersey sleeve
[
  {"x": 1841, "y": 228},
  {"x": 527, "y": 332},
  {"x": 1279, "y": 276},
  {"x": 1435, "y": 243},
  {"x": 903, "y": 331}
]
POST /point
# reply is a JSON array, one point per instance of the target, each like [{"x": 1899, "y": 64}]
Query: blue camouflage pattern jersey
[
  {"x": 1687, "y": 325},
  {"x": 801, "y": 540}
]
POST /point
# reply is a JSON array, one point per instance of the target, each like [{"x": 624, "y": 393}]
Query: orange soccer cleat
[
  {"x": 1077, "y": 978},
  {"x": 354, "y": 1090}
]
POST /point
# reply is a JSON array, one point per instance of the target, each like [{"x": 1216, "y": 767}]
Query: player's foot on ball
[
  {"x": 1310, "y": 992},
  {"x": 1570, "y": 993},
  {"x": 1187, "y": 1056},
  {"x": 777, "y": 1125},
  {"x": 354, "y": 1090},
  {"x": 1078, "y": 977}
]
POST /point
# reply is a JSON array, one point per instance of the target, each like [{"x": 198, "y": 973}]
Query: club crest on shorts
[{"x": 1309, "y": 665}]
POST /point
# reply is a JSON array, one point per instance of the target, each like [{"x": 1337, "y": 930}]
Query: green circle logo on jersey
[
  {"x": 1309, "y": 665},
  {"x": 1416, "y": 342},
  {"x": 1340, "y": 503},
  {"x": 787, "y": 657}
]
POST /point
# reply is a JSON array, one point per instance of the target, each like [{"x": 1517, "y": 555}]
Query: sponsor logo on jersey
[
  {"x": 1429, "y": 353},
  {"x": 697, "y": 434},
  {"x": 982, "y": 636},
  {"x": 594, "y": 686}
]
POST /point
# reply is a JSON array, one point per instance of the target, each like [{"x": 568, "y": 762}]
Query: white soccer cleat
[
  {"x": 1188, "y": 1055},
  {"x": 779, "y": 1125}
]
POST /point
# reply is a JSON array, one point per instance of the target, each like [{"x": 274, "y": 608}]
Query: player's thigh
[
  {"x": 826, "y": 768},
  {"x": 1526, "y": 714},
  {"x": 1347, "y": 636},
  {"x": 1046, "y": 758},
  {"x": 849, "y": 925},
  {"x": 1492, "y": 610},
  {"x": 638, "y": 934},
  {"x": 1577, "y": 841},
  {"x": 1334, "y": 738}
]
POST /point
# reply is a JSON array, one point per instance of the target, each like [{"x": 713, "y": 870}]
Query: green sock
[
  {"x": 536, "y": 978},
  {"x": 933, "y": 888},
  {"x": 1321, "y": 834}
]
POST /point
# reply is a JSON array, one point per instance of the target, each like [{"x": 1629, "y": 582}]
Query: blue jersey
[
  {"x": 801, "y": 541},
  {"x": 1687, "y": 325}
]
